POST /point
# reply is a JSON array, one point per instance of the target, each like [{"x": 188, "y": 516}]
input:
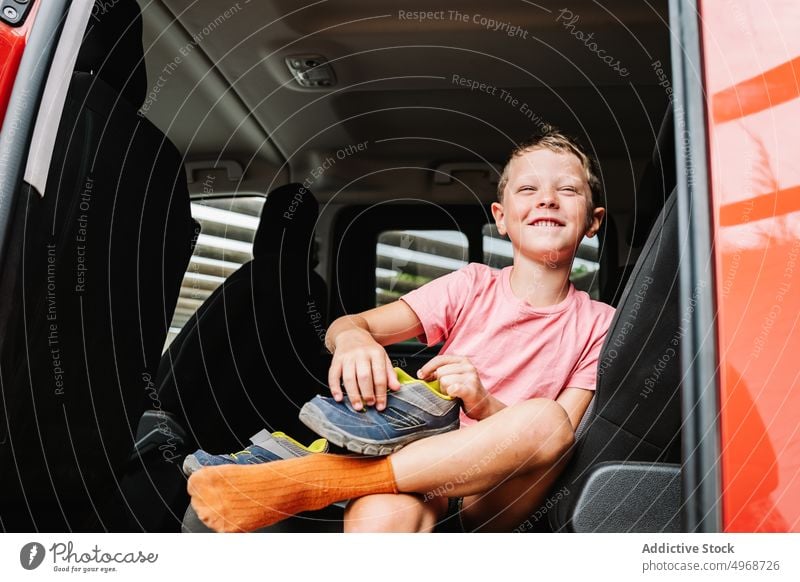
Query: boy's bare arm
[{"x": 359, "y": 360}]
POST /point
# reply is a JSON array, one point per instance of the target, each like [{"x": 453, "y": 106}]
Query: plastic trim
[{"x": 700, "y": 394}]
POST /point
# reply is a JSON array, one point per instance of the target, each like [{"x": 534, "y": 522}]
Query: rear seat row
[
  {"x": 249, "y": 358},
  {"x": 104, "y": 253}
]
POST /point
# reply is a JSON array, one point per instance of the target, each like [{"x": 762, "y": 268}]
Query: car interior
[{"x": 228, "y": 178}]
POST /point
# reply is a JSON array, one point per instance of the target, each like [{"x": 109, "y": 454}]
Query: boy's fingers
[
  {"x": 364, "y": 377},
  {"x": 435, "y": 363},
  {"x": 450, "y": 370},
  {"x": 453, "y": 390},
  {"x": 379, "y": 384},
  {"x": 378, "y": 380},
  {"x": 351, "y": 385},
  {"x": 335, "y": 380},
  {"x": 391, "y": 375},
  {"x": 447, "y": 382}
]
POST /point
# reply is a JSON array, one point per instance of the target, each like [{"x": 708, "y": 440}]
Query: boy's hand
[
  {"x": 364, "y": 367},
  {"x": 459, "y": 378}
]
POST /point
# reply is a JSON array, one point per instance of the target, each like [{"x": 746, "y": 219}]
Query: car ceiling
[{"x": 226, "y": 91}]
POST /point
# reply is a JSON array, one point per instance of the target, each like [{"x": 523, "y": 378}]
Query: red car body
[{"x": 752, "y": 83}]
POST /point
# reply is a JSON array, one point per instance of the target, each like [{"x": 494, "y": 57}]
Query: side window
[
  {"x": 225, "y": 244},
  {"x": 498, "y": 253},
  {"x": 585, "y": 273},
  {"x": 407, "y": 259}
]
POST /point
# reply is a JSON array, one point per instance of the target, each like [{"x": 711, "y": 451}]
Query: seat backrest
[
  {"x": 251, "y": 355},
  {"x": 636, "y": 412},
  {"x": 105, "y": 251}
]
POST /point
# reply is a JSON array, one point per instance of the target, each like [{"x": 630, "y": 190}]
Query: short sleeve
[
  {"x": 439, "y": 303},
  {"x": 585, "y": 373}
]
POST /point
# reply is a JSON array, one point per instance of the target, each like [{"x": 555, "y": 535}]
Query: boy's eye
[{"x": 569, "y": 189}]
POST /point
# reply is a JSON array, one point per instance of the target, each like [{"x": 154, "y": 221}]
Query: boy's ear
[
  {"x": 499, "y": 217},
  {"x": 597, "y": 220}
]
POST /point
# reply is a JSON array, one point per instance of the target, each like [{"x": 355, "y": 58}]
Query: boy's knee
[
  {"x": 546, "y": 428},
  {"x": 388, "y": 513}
]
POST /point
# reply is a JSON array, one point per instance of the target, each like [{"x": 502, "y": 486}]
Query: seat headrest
[
  {"x": 287, "y": 221},
  {"x": 112, "y": 49}
]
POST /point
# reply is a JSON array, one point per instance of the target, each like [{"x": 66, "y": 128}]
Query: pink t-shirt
[{"x": 520, "y": 351}]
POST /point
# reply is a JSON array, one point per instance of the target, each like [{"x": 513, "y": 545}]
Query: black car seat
[
  {"x": 624, "y": 474},
  {"x": 251, "y": 355},
  {"x": 654, "y": 187},
  {"x": 248, "y": 358},
  {"x": 656, "y": 184},
  {"x": 104, "y": 252}
]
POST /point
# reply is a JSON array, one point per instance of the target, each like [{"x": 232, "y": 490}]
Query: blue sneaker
[
  {"x": 416, "y": 411},
  {"x": 266, "y": 447}
]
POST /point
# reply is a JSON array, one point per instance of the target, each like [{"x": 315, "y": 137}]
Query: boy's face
[{"x": 544, "y": 208}]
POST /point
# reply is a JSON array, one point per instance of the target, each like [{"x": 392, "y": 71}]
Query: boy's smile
[
  {"x": 547, "y": 222},
  {"x": 545, "y": 206}
]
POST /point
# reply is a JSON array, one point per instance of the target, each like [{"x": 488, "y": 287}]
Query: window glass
[
  {"x": 407, "y": 259},
  {"x": 498, "y": 253},
  {"x": 225, "y": 243}
]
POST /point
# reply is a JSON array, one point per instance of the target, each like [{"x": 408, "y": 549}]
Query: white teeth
[{"x": 546, "y": 223}]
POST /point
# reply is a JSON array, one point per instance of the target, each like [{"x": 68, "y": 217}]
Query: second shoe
[{"x": 266, "y": 447}]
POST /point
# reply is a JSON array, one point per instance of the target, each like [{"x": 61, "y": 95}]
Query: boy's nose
[{"x": 547, "y": 200}]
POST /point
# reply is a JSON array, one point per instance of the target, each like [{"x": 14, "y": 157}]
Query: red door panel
[{"x": 752, "y": 75}]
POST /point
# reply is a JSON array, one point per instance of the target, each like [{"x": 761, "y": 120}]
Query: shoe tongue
[
  {"x": 289, "y": 448},
  {"x": 261, "y": 437}
]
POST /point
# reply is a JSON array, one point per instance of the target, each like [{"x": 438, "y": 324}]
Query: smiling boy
[{"x": 521, "y": 351}]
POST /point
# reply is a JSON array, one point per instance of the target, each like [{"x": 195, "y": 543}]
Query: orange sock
[{"x": 247, "y": 497}]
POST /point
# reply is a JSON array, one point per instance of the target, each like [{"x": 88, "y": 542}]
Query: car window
[
  {"x": 225, "y": 243},
  {"x": 407, "y": 259}
]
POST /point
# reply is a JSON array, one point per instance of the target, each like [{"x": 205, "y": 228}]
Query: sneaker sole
[{"x": 314, "y": 419}]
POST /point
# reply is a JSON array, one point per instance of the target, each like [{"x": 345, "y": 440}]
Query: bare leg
[
  {"x": 401, "y": 513},
  {"x": 509, "y": 505},
  {"x": 503, "y": 465},
  {"x": 531, "y": 436}
]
